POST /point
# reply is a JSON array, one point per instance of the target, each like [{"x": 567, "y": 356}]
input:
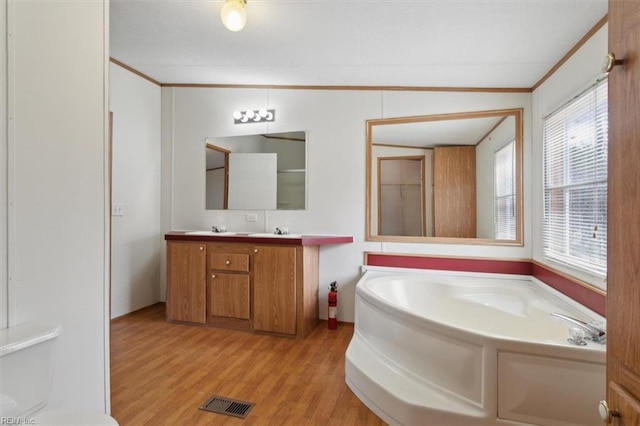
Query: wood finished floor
[{"x": 162, "y": 372}]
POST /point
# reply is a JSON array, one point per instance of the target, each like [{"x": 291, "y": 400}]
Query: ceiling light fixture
[
  {"x": 254, "y": 116},
  {"x": 233, "y": 14}
]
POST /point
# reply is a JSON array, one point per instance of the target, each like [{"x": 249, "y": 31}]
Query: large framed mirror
[
  {"x": 256, "y": 172},
  {"x": 448, "y": 178}
]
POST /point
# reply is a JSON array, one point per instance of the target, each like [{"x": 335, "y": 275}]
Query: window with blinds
[
  {"x": 575, "y": 182},
  {"x": 504, "y": 206}
]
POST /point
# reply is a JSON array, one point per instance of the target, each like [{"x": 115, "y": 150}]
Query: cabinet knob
[
  {"x": 605, "y": 413},
  {"x": 213, "y": 275},
  {"x": 609, "y": 62},
  {"x": 255, "y": 250},
  {"x": 228, "y": 262},
  {"x": 201, "y": 248}
]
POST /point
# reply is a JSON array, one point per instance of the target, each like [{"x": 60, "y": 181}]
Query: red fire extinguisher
[{"x": 333, "y": 306}]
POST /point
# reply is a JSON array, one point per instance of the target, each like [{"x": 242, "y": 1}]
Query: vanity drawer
[{"x": 229, "y": 262}]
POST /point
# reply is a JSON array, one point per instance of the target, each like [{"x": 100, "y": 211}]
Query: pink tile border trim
[
  {"x": 449, "y": 263},
  {"x": 591, "y": 299},
  {"x": 573, "y": 289}
]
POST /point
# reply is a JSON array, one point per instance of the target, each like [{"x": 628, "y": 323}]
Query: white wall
[
  {"x": 136, "y": 237},
  {"x": 4, "y": 318},
  {"x": 335, "y": 121},
  {"x": 58, "y": 186},
  {"x": 575, "y": 75}
]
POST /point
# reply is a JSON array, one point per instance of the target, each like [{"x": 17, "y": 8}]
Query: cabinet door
[
  {"x": 454, "y": 191},
  {"x": 229, "y": 295},
  {"x": 274, "y": 289},
  {"x": 186, "y": 282},
  {"x": 623, "y": 245}
]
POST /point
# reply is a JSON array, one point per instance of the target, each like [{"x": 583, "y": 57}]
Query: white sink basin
[
  {"x": 211, "y": 233},
  {"x": 271, "y": 235}
]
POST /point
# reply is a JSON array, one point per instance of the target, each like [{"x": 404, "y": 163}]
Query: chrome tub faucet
[{"x": 589, "y": 331}]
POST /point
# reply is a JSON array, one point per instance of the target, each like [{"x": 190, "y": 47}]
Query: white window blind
[
  {"x": 504, "y": 210},
  {"x": 575, "y": 182}
]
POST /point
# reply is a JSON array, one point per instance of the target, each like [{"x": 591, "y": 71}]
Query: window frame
[{"x": 564, "y": 235}]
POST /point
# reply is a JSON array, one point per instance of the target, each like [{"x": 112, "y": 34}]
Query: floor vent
[{"x": 230, "y": 407}]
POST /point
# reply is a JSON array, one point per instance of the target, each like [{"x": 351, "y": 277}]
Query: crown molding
[
  {"x": 133, "y": 70},
  {"x": 573, "y": 50}
]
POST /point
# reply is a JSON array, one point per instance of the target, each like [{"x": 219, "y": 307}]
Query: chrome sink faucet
[
  {"x": 281, "y": 231},
  {"x": 221, "y": 228},
  {"x": 593, "y": 333}
]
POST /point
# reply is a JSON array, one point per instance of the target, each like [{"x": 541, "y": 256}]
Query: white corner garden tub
[{"x": 453, "y": 348}]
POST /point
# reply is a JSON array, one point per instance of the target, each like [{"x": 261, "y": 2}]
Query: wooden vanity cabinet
[
  {"x": 186, "y": 282},
  {"x": 229, "y": 285},
  {"x": 270, "y": 289},
  {"x": 260, "y": 284}
]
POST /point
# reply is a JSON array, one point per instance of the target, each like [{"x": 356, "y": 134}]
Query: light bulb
[
  {"x": 249, "y": 113},
  {"x": 233, "y": 15},
  {"x": 263, "y": 113},
  {"x": 237, "y": 115}
]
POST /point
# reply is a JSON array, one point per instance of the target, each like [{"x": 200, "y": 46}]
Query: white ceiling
[
  {"x": 456, "y": 43},
  {"x": 469, "y": 131}
]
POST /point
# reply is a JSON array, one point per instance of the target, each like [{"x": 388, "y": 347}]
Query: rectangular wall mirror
[
  {"x": 446, "y": 178},
  {"x": 257, "y": 172}
]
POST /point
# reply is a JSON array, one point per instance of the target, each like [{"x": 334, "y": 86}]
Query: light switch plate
[
  {"x": 117, "y": 209},
  {"x": 252, "y": 217}
]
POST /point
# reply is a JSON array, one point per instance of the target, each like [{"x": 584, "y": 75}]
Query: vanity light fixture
[
  {"x": 254, "y": 116},
  {"x": 233, "y": 14}
]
